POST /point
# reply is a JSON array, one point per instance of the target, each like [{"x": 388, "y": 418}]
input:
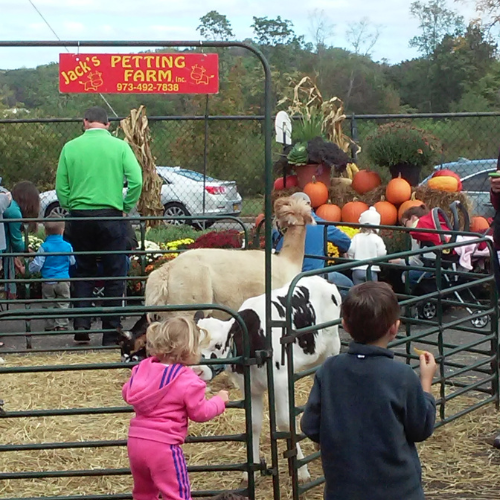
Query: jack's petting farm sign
[{"x": 139, "y": 73}]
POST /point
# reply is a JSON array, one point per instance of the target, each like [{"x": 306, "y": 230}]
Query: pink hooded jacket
[{"x": 164, "y": 397}]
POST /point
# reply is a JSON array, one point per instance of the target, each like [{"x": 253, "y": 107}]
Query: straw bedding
[{"x": 458, "y": 461}]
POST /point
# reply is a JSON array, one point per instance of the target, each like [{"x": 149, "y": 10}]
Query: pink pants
[{"x": 158, "y": 468}]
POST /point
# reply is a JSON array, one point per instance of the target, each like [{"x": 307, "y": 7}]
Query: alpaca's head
[{"x": 293, "y": 212}]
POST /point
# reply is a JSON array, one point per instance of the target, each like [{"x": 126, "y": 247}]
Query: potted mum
[{"x": 403, "y": 148}]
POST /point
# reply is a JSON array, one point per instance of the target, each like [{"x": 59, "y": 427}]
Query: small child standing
[
  {"x": 165, "y": 393},
  {"x": 366, "y": 410},
  {"x": 367, "y": 244},
  {"x": 54, "y": 267}
]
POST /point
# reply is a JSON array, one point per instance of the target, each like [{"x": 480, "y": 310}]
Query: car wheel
[
  {"x": 56, "y": 209},
  {"x": 427, "y": 310},
  {"x": 175, "y": 209}
]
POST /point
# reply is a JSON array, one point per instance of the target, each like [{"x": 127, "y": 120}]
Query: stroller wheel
[
  {"x": 427, "y": 310},
  {"x": 480, "y": 322}
]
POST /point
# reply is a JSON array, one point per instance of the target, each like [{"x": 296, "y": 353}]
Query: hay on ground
[{"x": 458, "y": 461}]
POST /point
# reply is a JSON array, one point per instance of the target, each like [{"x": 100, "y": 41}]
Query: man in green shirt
[{"x": 89, "y": 183}]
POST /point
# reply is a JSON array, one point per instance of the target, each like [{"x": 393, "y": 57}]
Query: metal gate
[{"x": 467, "y": 366}]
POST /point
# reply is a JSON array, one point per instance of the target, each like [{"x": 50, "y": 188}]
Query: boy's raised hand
[{"x": 427, "y": 370}]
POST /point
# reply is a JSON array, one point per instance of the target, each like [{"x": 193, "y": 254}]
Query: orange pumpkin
[
  {"x": 388, "y": 213},
  {"x": 365, "y": 180},
  {"x": 352, "y": 210},
  {"x": 317, "y": 192},
  {"x": 291, "y": 181},
  {"x": 407, "y": 205},
  {"x": 259, "y": 219},
  {"x": 443, "y": 183},
  {"x": 329, "y": 212},
  {"x": 398, "y": 191},
  {"x": 479, "y": 225}
]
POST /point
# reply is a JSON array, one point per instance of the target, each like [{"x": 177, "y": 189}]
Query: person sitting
[
  {"x": 315, "y": 255},
  {"x": 410, "y": 218}
]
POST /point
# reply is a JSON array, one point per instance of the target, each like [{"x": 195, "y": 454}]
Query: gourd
[
  {"x": 291, "y": 181},
  {"x": 365, "y": 180},
  {"x": 443, "y": 183},
  {"x": 317, "y": 192},
  {"x": 352, "y": 210},
  {"x": 329, "y": 212},
  {"x": 388, "y": 213},
  {"x": 398, "y": 191},
  {"x": 479, "y": 225},
  {"x": 449, "y": 173}
]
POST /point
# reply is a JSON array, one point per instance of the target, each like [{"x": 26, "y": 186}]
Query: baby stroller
[{"x": 467, "y": 258}]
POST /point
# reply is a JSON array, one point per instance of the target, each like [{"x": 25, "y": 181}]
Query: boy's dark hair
[
  {"x": 418, "y": 211},
  {"x": 96, "y": 114},
  {"x": 369, "y": 310}
]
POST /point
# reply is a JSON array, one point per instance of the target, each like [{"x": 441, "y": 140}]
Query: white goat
[{"x": 315, "y": 301}]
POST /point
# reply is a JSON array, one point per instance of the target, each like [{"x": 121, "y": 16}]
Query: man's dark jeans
[{"x": 90, "y": 235}]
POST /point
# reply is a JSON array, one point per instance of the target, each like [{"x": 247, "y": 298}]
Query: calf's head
[{"x": 214, "y": 342}]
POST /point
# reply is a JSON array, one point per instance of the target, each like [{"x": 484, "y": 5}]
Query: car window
[
  {"x": 195, "y": 176},
  {"x": 479, "y": 182}
]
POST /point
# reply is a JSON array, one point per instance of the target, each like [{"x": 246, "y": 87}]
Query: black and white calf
[{"x": 315, "y": 301}]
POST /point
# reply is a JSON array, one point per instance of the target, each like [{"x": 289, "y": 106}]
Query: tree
[
  {"x": 436, "y": 21},
  {"x": 272, "y": 32},
  {"x": 215, "y": 26},
  {"x": 320, "y": 28},
  {"x": 363, "y": 36},
  {"x": 489, "y": 8}
]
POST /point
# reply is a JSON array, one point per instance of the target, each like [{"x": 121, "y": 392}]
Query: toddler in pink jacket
[{"x": 165, "y": 393}]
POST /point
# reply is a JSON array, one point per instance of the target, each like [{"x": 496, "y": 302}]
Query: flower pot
[
  {"x": 305, "y": 173},
  {"x": 410, "y": 173}
]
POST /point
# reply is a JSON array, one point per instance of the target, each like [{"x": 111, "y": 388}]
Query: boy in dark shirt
[{"x": 366, "y": 410}]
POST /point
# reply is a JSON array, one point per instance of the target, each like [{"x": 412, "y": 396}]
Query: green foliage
[
  {"x": 308, "y": 127},
  {"x": 400, "y": 143},
  {"x": 298, "y": 155},
  {"x": 215, "y": 26}
]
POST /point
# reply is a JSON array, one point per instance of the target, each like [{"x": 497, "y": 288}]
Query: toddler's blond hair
[{"x": 176, "y": 340}]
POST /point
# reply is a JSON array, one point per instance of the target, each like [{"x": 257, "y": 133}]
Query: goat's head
[
  {"x": 133, "y": 341},
  {"x": 214, "y": 343}
]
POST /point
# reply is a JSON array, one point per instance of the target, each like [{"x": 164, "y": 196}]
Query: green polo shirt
[{"x": 91, "y": 172}]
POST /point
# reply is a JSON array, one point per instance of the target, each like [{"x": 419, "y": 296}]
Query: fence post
[{"x": 354, "y": 137}]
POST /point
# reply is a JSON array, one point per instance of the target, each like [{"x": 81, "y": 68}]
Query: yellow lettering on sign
[
  {"x": 138, "y": 76},
  {"x": 96, "y": 61},
  {"x": 151, "y": 75},
  {"x": 127, "y": 74},
  {"x": 115, "y": 60},
  {"x": 137, "y": 61},
  {"x": 79, "y": 71},
  {"x": 126, "y": 62},
  {"x": 148, "y": 60},
  {"x": 180, "y": 62},
  {"x": 164, "y": 76}
]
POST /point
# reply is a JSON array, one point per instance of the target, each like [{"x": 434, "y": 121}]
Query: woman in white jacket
[{"x": 365, "y": 245}]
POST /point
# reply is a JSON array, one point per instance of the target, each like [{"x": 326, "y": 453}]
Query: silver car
[
  {"x": 183, "y": 193},
  {"x": 475, "y": 182}
]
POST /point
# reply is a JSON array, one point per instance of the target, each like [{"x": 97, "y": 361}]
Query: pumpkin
[
  {"x": 388, "y": 213},
  {"x": 479, "y": 225},
  {"x": 259, "y": 219},
  {"x": 449, "y": 173},
  {"x": 398, "y": 191},
  {"x": 352, "y": 210},
  {"x": 329, "y": 212},
  {"x": 291, "y": 181},
  {"x": 407, "y": 205},
  {"x": 443, "y": 183},
  {"x": 365, "y": 180},
  {"x": 317, "y": 192}
]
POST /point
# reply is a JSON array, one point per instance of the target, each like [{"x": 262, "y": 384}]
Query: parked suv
[
  {"x": 183, "y": 193},
  {"x": 475, "y": 182}
]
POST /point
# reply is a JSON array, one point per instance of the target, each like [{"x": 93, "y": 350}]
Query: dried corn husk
[{"x": 137, "y": 134}]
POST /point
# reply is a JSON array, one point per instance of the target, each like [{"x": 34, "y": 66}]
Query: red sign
[{"x": 139, "y": 73}]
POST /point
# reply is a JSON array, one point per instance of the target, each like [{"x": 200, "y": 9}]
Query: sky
[{"x": 156, "y": 20}]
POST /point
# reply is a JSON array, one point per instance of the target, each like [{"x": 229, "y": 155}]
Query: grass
[{"x": 252, "y": 206}]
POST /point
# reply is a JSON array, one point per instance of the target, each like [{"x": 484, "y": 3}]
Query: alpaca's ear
[{"x": 198, "y": 315}]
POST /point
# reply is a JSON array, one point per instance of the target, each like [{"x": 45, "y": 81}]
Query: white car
[{"x": 183, "y": 193}]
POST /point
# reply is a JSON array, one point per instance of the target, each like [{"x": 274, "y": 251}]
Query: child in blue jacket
[
  {"x": 367, "y": 410},
  {"x": 55, "y": 270}
]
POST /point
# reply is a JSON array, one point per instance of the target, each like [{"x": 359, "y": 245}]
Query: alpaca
[{"x": 229, "y": 277}]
